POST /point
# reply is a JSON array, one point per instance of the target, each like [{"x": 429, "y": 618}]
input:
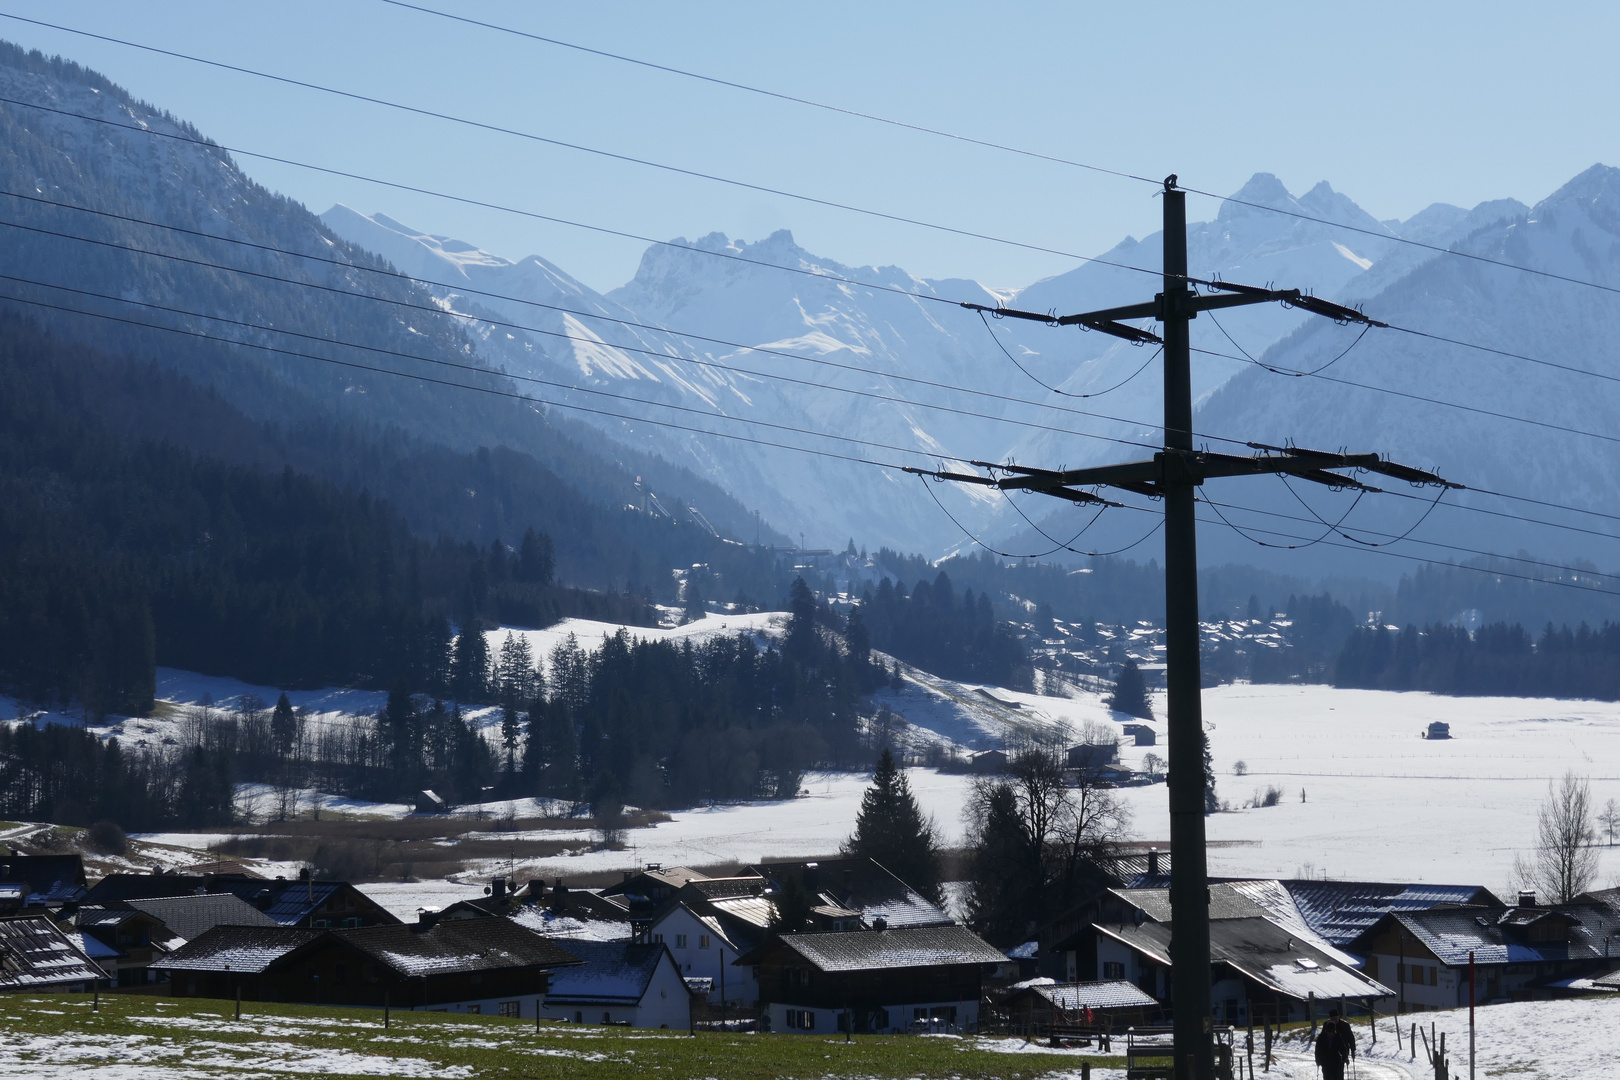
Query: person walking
[{"x": 1335, "y": 1046}]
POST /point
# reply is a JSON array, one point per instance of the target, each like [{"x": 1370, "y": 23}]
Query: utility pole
[{"x": 1175, "y": 475}]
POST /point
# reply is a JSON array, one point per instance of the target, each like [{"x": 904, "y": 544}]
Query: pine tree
[
  {"x": 469, "y": 667},
  {"x": 891, "y": 830},
  {"x": 1130, "y": 692},
  {"x": 284, "y": 726},
  {"x": 537, "y": 559},
  {"x": 802, "y": 640}
]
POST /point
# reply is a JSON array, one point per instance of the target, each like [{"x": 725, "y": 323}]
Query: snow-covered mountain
[{"x": 642, "y": 341}]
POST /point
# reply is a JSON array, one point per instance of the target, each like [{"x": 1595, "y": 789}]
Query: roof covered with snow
[
  {"x": 244, "y": 949},
  {"x": 568, "y": 927},
  {"x": 35, "y": 954},
  {"x": 1496, "y": 937},
  {"x": 613, "y": 973},
  {"x": 861, "y": 886},
  {"x": 456, "y": 945},
  {"x": 189, "y": 916},
  {"x": 902, "y": 947},
  {"x": 1263, "y": 951},
  {"x": 1072, "y": 997}
]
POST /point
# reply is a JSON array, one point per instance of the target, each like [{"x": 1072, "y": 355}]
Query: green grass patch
[{"x": 64, "y": 1036}]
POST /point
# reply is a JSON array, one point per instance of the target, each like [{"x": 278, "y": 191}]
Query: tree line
[
  {"x": 1499, "y": 659},
  {"x": 953, "y": 635}
]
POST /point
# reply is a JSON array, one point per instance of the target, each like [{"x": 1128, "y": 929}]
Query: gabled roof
[
  {"x": 35, "y": 953},
  {"x": 291, "y": 902},
  {"x": 1225, "y": 902},
  {"x": 456, "y": 946},
  {"x": 1452, "y": 933},
  {"x": 1262, "y": 951},
  {"x": 1074, "y": 996},
  {"x": 1342, "y": 910},
  {"x": 121, "y": 888},
  {"x": 42, "y": 871},
  {"x": 861, "y": 886},
  {"x": 881, "y": 950},
  {"x": 727, "y": 887},
  {"x": 642, "y": 884},
  {"x": 613, "y": 973},
  {"x": 189, "y": 916},
  {"x": 247, "y": 949}
]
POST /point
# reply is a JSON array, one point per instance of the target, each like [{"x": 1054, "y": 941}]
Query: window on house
[
  {"x": 475, "y": 1009},
  {"x": 508, "y": 1008},
  {"x": 801, "y": 1019},
  {"x": 680, "y": 941},
  {"x": 579, "y": 1016},
  {"x": 658, "y": 939},
  {"x": 1113, "y": 969},
  {"x": 607, "y": 1018},
  {"x": 703, "y": 941}
]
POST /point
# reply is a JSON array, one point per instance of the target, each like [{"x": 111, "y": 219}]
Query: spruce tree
[
  {"x": 1130, "y": 692},
  {"x": 891, "y": 829},
  {"x": 284, "y": 726}
]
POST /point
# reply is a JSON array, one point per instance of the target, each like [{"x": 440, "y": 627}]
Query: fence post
[{"x": 385, "y": 1009}]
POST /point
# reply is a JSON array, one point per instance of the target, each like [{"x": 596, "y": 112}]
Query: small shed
[
  {"x": 1091, "y": 755},
  {"x": 1439, "y": 730},
  {"x": 429, "y": 801},
  {"x": 1109, "y": 1005},
  {"x": 1141, "y": 734}
]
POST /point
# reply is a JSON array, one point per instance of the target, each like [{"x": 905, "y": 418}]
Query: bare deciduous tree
[
  {"x": 1564, "y": 862},
  {"x": 1610, "y": 819}
]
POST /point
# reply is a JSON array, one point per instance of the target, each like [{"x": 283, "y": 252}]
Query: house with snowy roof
[
  {"x": 187, "y": 917},
  {"x": 1341, "y": 911},
  {"x": 914, "y": 978},
  {"x": 1260, "y": 969},
  {"x": 491, "y": 966},
  {"x": 634, "y": 983},
  {"x": 304, "y": 901},
  {"x": 1525, "y": 952},
  {"x": 847, "y": 894},
  {"x": 137, "y": 941},
  {"x": 38, "y": 956},
  {"x": 223, "y": 960}
]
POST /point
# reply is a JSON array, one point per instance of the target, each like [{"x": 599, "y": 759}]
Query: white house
[
  {"x": 707, "y": 945},
  {"x": 620, "y": 982}
]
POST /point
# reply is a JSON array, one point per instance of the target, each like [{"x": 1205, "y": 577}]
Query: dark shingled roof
[
  {"x": 859, "y": 885},
  {"x": 1451, "y": 933},
  {"x": 458, "y": 945},
  {"x": 247, "y": 949},
  {"x": 122, "y": 888},
  {"x": 1341, "y": 910},
  {"x": 903, "y": 947},
  {"x": 189, "y": 916},
  {"x": 48, "y": 880},
  {"x": 36, "y": 954}
]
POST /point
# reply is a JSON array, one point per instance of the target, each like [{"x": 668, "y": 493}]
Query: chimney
[
  {"x": 426, "y": 918},
  {"x": 1527, "y": 898},
  {"x": 628, "y": 874},
  {"x": 812, "y": 878},
  {"x": 1153, "y": 862},
  {"x": 263, "y": 899},
  {"x": 497, "y": 887}
]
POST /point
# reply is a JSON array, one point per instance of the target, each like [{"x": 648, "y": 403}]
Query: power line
[
  {"x": 992, "y": 145},
  {"x": 461, "y": 316},
  {"x": 668, "y": 69},
  {"x": 516, "y": 211},
  {"x": 1048, "y": 386},
  {"x": 579, "y": 147}
]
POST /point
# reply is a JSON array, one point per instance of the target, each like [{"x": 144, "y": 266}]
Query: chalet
[
  {"x": 1342, "y": 911},
  {"x": 223, "y": 960},
  {"x": 847, "y": 894},
  {"x": 136, "y": 939},
  {"x": 43, "y": 882},
  {"x": 1260, "y": 970},
  {"x": 584, "y": 904},
  {"x": 1109, "y": 1006},
  {"x": 620, "y": 982},
  {"x": 468, "y": 966},
  {"x": 38, "y": 956},
  {"x": 921, "y": 978},
  {"x": 1091, "y": 755},
  {"x": 643, "y": 892},
  {"x": 1438, "y": 730},
  {"x": 707, "y": 925},
  {"x": 1522, "y": 953}
]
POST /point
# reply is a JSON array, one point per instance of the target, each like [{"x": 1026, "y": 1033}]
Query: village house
[
  {"x": 620, "y": 982},
  {"x": 135, "y": 939},
  {"x": 1521, "y": 953},
  {"x": 38, "y": 956},
  {"x": 920, "y": 978},
  {"x": 188, "y": 917},
  {"x": 1260, "y": 970},
  {"x": 707, "y": 925},
  {"x": 847, "y": 894},
  {"x": 1340, "y": 911},
  {"x": 225, "y": 960}
]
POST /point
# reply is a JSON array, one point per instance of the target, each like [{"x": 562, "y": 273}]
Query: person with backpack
[{"x": 1335, "y": 1046}]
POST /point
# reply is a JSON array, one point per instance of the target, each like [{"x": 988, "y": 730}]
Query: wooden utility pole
[{"x": 1175, "y": 475}]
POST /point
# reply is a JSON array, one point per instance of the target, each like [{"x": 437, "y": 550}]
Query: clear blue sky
[{"x": 1397, "y": 105}]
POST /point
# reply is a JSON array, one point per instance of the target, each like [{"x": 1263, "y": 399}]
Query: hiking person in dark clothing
[{"x": 1335, "y": 1046}]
